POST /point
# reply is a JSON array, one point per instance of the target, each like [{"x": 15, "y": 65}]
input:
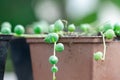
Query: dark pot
[
  {"x": 76, "y": 61},
  {"x": 21, "y": 58},
  {"x": 4, "y": 43}
]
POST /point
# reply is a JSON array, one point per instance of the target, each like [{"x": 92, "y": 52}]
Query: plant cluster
[
  {"x": 107, "y": 31},
  {"x": 58, "y": 47},
  {"x": 61, "y": 28},
  {"x": 6, "y": 29}
]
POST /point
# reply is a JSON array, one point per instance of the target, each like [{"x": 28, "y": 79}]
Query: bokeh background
[
  {"x": 75, "y": 11},
  {"x": 27, "y": 12}
]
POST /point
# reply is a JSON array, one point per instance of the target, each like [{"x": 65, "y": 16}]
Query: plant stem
[
  {"x": 104, "y": 44},
  {"x": 54, "y": 53},
  {"x": 54, "y": 77},
  {"x": 66, "y": 27}
]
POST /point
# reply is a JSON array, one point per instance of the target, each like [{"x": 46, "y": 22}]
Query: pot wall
[
  {"x": 20, "y": 55},
  {"x": 4, "y": 43},
  {"x": 76, "y": 61},
  {"x": 110, "y": 68}
]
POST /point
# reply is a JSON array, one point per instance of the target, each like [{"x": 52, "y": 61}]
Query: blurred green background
[{"x": 26, "y": 12}]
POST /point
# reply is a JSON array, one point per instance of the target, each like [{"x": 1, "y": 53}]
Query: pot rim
[
  {"x": 6, "y": 37},
  {"x": 81, "y": 39}
]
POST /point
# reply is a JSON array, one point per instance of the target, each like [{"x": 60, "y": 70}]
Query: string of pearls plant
[{"x": 58, "y": 29}]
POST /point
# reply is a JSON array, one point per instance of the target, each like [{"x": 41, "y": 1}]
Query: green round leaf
[
  {"x": 98, "y": 56},
  {"x": 51, "y": 38},
  {"x": 71, "y": 28},
  {"x": 51, "y": 28},
  {"x": 109, "y": 34},
  {"x": 85, "y": 27},
  {"x": 53, "y": 59},
  {"x": 19, "y": 29},
  {"x": 37, "y": 29},
  {"x": 58, "y": 26},
  {"x": 5, "y": 30},
  {"x": 54, "y": 69},
  {"x": 117, "y": 29},
  {"x": 6, "y": 24},
  {"x": 59, "y": 47}
]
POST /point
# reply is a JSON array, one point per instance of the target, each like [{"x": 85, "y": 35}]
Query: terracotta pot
[
  {"x": 76, "y": 61},
  {"x": 4, "y": 44}
]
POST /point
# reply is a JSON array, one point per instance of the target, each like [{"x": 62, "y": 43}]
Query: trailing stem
[
  {"x": 54, "y": 49},
  {"x": 104, "y": 45},
  {"x": 54, "y": 53},
  {"x": 66, "y": 23},
  {"x": 54, "y": 77}
]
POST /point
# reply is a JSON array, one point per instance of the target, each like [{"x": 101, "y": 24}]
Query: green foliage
[
  {"x": 117, "y": 29},
  {"x": 98, "y": 55},
  {"x": 58, "y": 26},
  {"x": 116, "y": 2},
  {"x": 19, "y": 29},
  {"x": 54, "y": 69},
  {"x": 109, "y": 34},
  {"x": 71, "y": 28},
  {"x": 59, "y": 47},
  {"x": 87, "y": 19},
  {"x": 53, "y": 59},
  {"x": 37, "y": 29},
  {"x": 51, "y": 38}
]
